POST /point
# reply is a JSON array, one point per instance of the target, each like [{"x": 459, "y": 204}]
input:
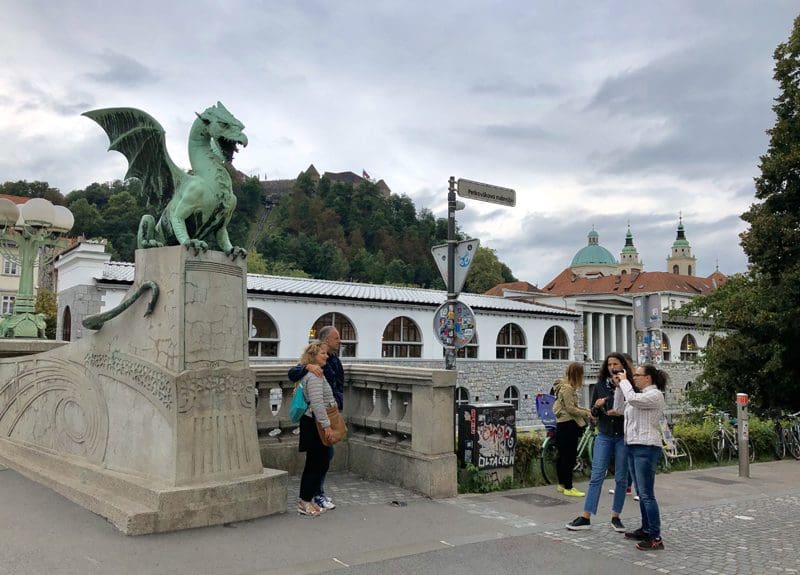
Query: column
[
  {"x": 613, "y": 339},
  {"x": 588, "y": 344},
  {"x": 601, "y": 336},
  {"x": 626, "y": 339}
]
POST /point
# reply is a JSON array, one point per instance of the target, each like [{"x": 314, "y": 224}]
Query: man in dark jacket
[{"x": 334, "y": 375}]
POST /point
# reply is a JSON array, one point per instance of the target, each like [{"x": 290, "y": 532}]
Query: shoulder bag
[{"x": 337, "y": 425}]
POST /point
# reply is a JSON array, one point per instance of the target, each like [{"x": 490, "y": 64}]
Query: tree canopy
[
  {"x": 760, "y": 310},
  {"x": 322, "y": 228}
]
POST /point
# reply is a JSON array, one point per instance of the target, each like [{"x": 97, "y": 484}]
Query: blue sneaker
[{"x": 323, "y": 502}]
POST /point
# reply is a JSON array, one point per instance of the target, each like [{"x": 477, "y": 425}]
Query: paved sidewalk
[{"x": 714, "y": 522}]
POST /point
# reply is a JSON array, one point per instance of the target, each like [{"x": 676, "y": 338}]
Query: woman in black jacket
[{"x": 610, "y": 442}]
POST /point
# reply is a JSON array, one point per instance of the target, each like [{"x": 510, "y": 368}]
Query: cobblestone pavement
[
  {"x": 753, "y": 536},
  {"x": 349, "y": 489}
]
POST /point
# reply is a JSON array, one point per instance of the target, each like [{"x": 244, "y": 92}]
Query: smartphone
[{"x": 616, "y": 371}]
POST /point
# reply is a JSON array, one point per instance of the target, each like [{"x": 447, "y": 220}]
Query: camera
[{"x": 616, "y": 371}]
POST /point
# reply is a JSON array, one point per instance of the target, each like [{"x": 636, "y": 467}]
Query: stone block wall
[{"x": 83, "y": 301}]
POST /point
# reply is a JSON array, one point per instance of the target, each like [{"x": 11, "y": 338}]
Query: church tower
[
  {"x": 681, "y": 261},
  {"x": 629, "y": 262}
]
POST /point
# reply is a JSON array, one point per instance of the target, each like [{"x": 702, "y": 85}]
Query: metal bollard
[{"x": 743, "y": 432}]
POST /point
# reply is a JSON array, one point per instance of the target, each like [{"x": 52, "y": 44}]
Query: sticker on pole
[
  {"x": 465, "y": 253},
  {"x": 458, "y": 329}
]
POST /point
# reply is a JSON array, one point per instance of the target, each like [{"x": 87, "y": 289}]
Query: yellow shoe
[
  {"x": 560, "y": 488},
  {"x": 574, "y": 492}
]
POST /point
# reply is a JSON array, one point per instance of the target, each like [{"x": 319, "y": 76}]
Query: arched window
[
  {"x": 511, "y": 395},
  {"x": 555, "y": 344},
  {"x": 666, "y": 352},
  {"x": 401, "y": 338},
  {"x": 690, "y": 271},
  {"x": 66, "y": 325},
  {"x": 511, "y": 342},
  {"x": 347, "y": 333},
  {"x": 469, "y": 351},
  {"x": 462, "y": 396},
  {"x": 688, "y": 348},
  {"x": 675, "y": 270},
  {"x": 263, "y": 334}
]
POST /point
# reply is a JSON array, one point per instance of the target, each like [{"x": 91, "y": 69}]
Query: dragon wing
[{"x": 140, "y": 138}]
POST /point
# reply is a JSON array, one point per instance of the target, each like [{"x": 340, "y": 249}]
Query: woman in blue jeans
[
  {"x": 609, "y": 443},
  {"x": 643, "y": 414}
]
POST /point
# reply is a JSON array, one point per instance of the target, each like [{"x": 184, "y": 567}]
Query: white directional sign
[
  {"x": 486, "y": 193},
  {"x": 465, "y": 253}
]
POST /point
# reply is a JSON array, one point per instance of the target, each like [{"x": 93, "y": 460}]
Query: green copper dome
[{"x": 593, "y": 254}]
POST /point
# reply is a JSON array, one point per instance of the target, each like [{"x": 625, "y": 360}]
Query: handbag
[
  {"x": 299, "y": 404},
  {"x": 337, "y": 425}
]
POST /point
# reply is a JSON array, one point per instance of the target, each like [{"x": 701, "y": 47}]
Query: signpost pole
[{"x": 452, "y": 296}]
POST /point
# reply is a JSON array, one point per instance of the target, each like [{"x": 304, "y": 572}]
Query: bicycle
[
  {"x": 674, "y": 450},
  {"x": 724, "y": 441},
  {"x": 583, "y": 462},
  {"x": 787, "y": 437}
]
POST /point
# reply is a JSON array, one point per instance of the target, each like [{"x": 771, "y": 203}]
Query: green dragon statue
[{"x": 198, "y": 205}]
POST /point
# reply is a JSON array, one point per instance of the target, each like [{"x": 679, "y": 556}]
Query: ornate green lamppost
[{"x": 34, "y": 225}]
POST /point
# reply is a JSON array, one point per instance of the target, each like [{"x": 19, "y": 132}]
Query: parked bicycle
[
  {"x": 583, "y": 463},
  {"x": 787, "y": 434},
  {"x": 674, "y": 450},
  {"x": 724, "y": 439}
]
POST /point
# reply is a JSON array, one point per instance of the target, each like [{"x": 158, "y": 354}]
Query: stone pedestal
[{"x": 150, "y": 421}]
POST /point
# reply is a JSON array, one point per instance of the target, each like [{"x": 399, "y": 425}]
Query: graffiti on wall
[{"x": 496, "y": 436}]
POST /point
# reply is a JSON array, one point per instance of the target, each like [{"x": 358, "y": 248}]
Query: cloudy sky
[{"x": 597, "y": 113}]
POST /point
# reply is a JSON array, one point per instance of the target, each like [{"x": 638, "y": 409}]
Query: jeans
[
  {"x": 606, "y": 447},
  {"x": 645, "y": 459}
]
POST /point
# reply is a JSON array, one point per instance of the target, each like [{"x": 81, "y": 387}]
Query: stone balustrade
[{"x": 400, "y": 425}]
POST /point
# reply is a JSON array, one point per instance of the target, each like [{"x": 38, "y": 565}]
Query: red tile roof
[
  {"x": 500, "y": 289},
  {"x": 15, "y": 199},
  {"x": 567, "y": 283}
]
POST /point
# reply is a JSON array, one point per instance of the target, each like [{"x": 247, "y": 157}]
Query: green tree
[
  {"x": 256, "y": 263},
  {"x": 88, "y": 221},
  {"x": 46, "y": 304},
  {"x": 486, "y": 272},
  {"x": 760, "y": 310},
  {"x": 33, "y": 190}
]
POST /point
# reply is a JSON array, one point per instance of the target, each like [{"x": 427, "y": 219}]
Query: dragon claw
[
  {"x": 236, "y": 252},
  {"x": 196, "y": 245}
]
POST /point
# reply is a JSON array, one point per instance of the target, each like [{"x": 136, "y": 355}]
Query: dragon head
[{"x": 224, "y": 129}]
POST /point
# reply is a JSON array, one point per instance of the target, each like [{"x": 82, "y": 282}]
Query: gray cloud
[{"x": 122, "y": 70}]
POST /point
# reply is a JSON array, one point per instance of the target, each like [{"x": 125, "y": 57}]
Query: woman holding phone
[
  {"x": 609, "y": 443},
  {"x": 643, "y": 413}
]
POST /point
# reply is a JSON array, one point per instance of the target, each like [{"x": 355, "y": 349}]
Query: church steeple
[
  {"x": 629, "y": 257},
  {"x": 681, "y": 261}
]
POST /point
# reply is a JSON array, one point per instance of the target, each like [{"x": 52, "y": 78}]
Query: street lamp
[{"x": 35, "y": 225}]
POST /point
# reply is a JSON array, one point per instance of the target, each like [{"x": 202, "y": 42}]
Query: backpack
[{"x": 299, "y": 404}]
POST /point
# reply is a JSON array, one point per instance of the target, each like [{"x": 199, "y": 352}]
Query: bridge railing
[{"x": 400, "y": 422}]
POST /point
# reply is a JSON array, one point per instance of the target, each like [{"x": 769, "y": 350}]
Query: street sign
[
  {"x": 647, "y": 312},
  {"x": 462, "y": 327},
  {"x": 465, "y": 253},
  {"x": 486, "y": 193}
]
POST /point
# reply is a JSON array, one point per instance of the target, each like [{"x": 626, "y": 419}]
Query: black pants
[
  {"x": 567, "y": 435},
  {"x": 317, "y": 459}
]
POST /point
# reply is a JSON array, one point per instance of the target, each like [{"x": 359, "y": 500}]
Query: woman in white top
[{"x": 643, "y": 414}]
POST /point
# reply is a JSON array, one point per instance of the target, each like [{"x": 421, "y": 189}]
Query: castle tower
[
  {"x": 681, "y": 261},
  {"x": 629, "y": 261}
]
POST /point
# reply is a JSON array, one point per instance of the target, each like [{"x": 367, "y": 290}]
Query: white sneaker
[
  {"x": 323, "y": 502},
  {"x": 611, "y": 491},
  {"x": 636, "y": 498}
]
